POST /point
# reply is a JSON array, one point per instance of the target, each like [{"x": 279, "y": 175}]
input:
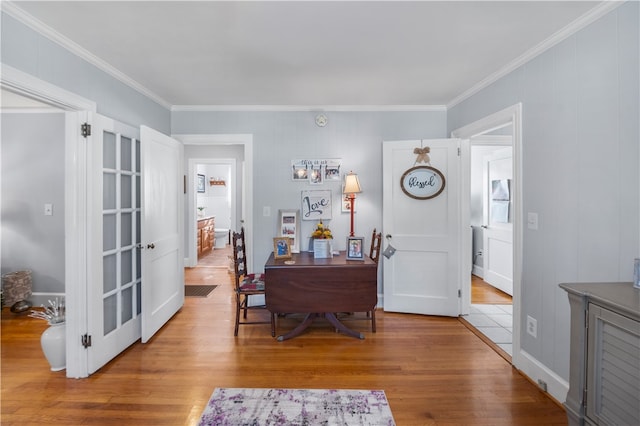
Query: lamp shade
[{"x": 352, "y": 184}]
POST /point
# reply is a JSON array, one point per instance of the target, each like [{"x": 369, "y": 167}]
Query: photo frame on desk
[
  {"x": 282, "y": 248},
  {"x": 355, "y": 248},
  {"x": 289, "y": 226}
]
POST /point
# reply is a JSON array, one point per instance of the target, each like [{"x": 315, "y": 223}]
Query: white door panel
[
  {"x": 113, "y": 290},
  {"x": 498, "y": 227},
  {"x": 162, "y": 206},
  {"x": 423, "y": 276}
]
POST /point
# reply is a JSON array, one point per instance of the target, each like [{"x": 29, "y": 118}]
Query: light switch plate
[
  {"x": 48, "y": 209},
  {"x": 532, "y": 221}
]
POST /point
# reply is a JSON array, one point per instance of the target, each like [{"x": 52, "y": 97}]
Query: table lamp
[{"x": 351, "y": 188}]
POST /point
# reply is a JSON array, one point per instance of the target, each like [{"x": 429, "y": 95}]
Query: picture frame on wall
[
  {"x": 316, "y": 176},
  {"x": 299, "y": 172},
  {"x": 355, "y": 248},
  {"x": 281, "y": 248},
  {"x": 346, "y": 202},
  {"x": 289, "y": 226},
  {"x": 200, "y": 183},
  {"x": 316, "y": 205}
]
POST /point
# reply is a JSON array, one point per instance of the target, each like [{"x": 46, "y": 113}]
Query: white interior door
[
  {"x": 162, "y": 215},
  {"x": 423, "y": 276},
  {"x": 113, "y": 290},
  {"x": 497, "y": 209}
]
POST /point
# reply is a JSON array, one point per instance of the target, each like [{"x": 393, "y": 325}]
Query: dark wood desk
[{"x": 320, "y": 288}]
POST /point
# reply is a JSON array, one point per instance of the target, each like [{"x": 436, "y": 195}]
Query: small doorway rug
[
  {"x": 261, "y": 407},
  {"x": 198, "y": 290}
]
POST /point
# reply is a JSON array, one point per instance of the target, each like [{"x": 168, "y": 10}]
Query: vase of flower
[
  {"x": 321, "y": 243},
  {"x": 54, "y": 346},
  {"x": 54, "y": 338}
]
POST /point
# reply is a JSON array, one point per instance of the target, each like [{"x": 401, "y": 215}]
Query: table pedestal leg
[
  {"x": 308, "y": 319},
  {"x": 331, "y": 317}
]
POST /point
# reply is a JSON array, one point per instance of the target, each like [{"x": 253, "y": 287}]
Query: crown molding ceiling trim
[
  {"x": 586, "y": 19},
  {"x": 38, "y": 26},
  {"x": 28, "y": 20},
  {"x": 302, "y": 108}
]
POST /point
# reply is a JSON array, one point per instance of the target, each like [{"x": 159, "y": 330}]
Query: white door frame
[
  {"x": 75, "y": 204},
  {"x": 246, "y": 140},
  {"x": 191, "y": 252},
  {"x": 509, "y": 116}
]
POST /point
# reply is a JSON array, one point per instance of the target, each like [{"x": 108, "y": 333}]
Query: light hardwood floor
[{"x": 433, "y": 370}]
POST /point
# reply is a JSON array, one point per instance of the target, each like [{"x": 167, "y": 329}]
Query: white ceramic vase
[{"x": 54, "y": 346}]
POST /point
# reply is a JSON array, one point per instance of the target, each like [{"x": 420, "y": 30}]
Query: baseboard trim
[
  {"x": 534, "y": 370},
  {"x": 478, "y": 271}
]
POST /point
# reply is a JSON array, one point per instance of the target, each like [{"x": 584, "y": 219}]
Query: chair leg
[
  {"x": 273, "y": 324},
  {"x": 373, "y": 320},
  {"x": 235, "y": 333}
]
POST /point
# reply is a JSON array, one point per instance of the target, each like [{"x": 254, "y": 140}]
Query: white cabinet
[{"x": 604, "y": 383}]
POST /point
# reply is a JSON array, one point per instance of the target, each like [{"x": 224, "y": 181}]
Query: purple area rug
[{"x": 293, "y": 407}]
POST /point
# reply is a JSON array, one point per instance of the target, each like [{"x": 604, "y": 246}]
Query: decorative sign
[
  {"x": 316, "y": 171},
  {"x": 422, "y": 182},
  {"x": 316, "y": 205}
]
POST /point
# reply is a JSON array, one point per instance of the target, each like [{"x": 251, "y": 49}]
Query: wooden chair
[
  {"x": 246, "y": 285},
  {"x": 374, "y": 254}
]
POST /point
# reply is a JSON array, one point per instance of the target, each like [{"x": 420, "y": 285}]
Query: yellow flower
[{"x": 321, "y": 232}]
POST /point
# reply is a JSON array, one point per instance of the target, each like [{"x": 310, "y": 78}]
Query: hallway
[{"x": 491, "y": 314}]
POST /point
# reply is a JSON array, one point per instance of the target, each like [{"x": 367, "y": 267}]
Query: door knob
[
  {"x": 151, "y": 246},
  {"x": 484, "y": 227}
]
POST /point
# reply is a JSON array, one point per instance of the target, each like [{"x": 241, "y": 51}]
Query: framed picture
[
  {"x": 281, "y": 248},
  {"x": 299, "y": 172},
  {"x": 289, "y": 226},
  {"x": 355, "y": 248},
  {"x": 200, "y": 183},
  {"x": 316, "y": 176},
  {"x": 346, "y": 203},
  {"x": 316, "y": 205}
]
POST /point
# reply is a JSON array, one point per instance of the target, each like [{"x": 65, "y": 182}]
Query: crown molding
[
  {"x": 310, "y": 108},
  {"x": 20, "y": 15},
  {"x": 586, "y": 19}
]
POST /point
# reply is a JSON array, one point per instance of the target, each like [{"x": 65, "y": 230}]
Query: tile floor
[{"x": 495, "y": 322}]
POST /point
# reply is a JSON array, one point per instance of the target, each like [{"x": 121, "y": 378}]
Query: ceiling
[{"x": 307, "y": 53}]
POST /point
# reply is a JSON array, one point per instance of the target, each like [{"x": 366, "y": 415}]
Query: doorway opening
[{"x": 491, "y": 209}]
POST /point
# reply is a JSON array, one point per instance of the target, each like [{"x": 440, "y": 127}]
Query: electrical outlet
[
  {"x": 48, "y": 209},
  {"x": 266, "y": 211},
  {"x": 532, "y": 326}
]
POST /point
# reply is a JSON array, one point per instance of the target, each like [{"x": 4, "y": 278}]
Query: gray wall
[
  {"x": 32, "y": 175},
  {"x": 30, "y": 52},
  {"x": 580, "y": 168},
  {"x": 279, "y": 137}
]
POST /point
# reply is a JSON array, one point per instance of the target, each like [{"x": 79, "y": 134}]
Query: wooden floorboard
[{"x": 433, "y": 370}]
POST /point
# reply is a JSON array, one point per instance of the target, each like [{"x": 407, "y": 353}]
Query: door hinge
[
  {"x": 86, "y": 340},
  {"x": 459, "y": 293},
  {"x": 85, "y": 129},
  {"x": 458, "y": 151}
]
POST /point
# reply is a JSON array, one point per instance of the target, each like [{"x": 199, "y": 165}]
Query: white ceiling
[{"x": 308, "y": 53}]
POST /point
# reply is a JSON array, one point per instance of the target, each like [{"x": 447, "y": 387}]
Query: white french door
[
  {"x": 114, "y": 211},
  {"x": 423, "y": 276},
  {"x": 162, "y": 216},
  {"x": 135, "y": 273}
]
